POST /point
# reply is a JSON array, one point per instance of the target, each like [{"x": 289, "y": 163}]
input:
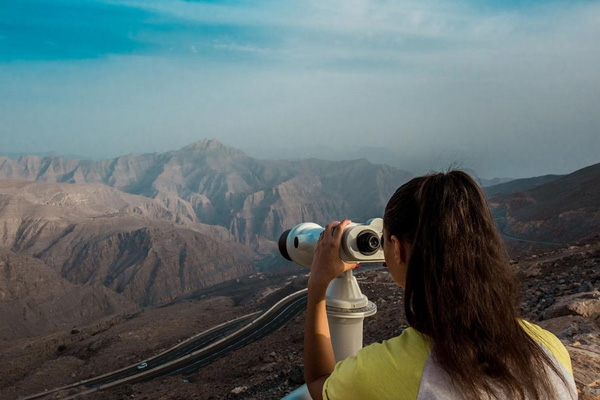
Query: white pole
[{"x": 347, "y": 307}]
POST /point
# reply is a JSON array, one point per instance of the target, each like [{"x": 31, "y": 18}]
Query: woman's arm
[
  {"x": 318, "y": 352},
  {"x": 319, "y": 360}
]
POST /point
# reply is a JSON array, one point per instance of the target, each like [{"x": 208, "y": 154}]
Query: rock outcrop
[
  {"x": 586, "y": 304},
  {"x": 582, "y": 339}
]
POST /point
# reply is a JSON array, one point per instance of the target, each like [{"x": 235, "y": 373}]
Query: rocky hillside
[
  {"x": 564, "y": 210},
  {"x": 210, "y": 183},
  {"x": 147, "y": 229},
  {"x": 518, "y": 185},
  {"x": 95, "y": 235},
  {"x": 34, "y": 299}
]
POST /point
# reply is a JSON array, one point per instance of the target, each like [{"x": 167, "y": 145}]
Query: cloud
[
  {"x": 506, "y": 88},
  {"x": 403, "y": 36}
]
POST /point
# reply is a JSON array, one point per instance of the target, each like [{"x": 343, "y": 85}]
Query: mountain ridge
[
  {"x": 211, "y": 183},
  {"x": 97, "y": 235}
]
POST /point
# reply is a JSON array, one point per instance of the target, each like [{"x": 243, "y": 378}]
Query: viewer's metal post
[{"x": 347, "y": 307}]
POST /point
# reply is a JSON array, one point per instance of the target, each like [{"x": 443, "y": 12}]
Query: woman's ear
[
  {"x": 401, "y": 249},
  {"x": 401, "y": 254}
]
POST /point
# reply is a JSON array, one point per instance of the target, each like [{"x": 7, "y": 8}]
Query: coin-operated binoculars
[{"x": 346, "y": 305}]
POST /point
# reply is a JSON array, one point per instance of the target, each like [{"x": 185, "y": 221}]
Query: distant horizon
[
  {"x": 453, "y": 163},
  {"x": 438, "y": 159}
]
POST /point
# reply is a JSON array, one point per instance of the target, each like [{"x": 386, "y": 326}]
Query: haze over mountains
[{"x": 255, "y": 200}]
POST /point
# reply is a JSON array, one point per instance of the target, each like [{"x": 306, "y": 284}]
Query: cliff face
[
  {"x": 98, "y": 236},
  {"x": 150, "y": 262},
  {"x": 34, "y": 299},
  {"x": 210, "y": 183},
  {"x": 564, "y": 210}
]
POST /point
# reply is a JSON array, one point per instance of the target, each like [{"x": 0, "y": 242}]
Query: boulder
[
  {"x": 566, "y": 327},
  {"x": 239, "y": 389},
  {"x": 586, "y": 304}
]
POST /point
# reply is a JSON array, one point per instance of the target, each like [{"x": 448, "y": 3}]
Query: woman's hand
[
  {"x": 327, "y": 263},
  {"x": 319, "y": 360}
]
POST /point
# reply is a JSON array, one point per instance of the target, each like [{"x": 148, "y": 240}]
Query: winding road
[
  {"x": 501, "y": 224},
  {"x": 196, "y": 352}
]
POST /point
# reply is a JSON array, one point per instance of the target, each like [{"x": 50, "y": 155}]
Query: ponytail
[{"x": 460, "y": 290}]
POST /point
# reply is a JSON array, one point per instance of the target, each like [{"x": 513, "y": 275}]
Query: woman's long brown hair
[{"x": 461, "y": 291}]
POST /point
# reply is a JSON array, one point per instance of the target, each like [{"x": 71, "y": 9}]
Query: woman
[{"x": 466, "y": 340}]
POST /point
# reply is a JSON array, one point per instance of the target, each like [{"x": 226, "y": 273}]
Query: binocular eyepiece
[
  {"x": 367, "y": 243},
  {"x": 360, "y": 242}
]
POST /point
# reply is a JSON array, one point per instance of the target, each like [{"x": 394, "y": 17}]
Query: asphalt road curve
[
  {"x": 274, "y": 321},
  {"x": 200, "y": 341},
  {"x": 193, "y": 354},
  {"x": 194, "y": 345},
  {"x": 501, "y": 224}
]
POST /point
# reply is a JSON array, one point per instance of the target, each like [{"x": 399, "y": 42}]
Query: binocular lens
[
  {"x": 282, "y": 245},
  {"x": 368, "y": 243}
]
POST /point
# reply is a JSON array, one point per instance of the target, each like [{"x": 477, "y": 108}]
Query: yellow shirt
[{"x": 401, "y": 368}]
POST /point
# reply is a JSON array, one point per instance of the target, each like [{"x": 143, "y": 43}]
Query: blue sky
[{"x": 506, "y": 88}]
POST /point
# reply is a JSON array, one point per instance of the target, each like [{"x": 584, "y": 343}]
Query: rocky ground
[{"x": 561, "y": 293}]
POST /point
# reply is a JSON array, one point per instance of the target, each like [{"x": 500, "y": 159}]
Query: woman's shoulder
[
  {"x": 549, "y": 341},
  {"x": 405, "y": 355},
  {"x": 410, "y": 346},
  {"x": 411, "y": 343},
  {"x": 392, "y": 366}
]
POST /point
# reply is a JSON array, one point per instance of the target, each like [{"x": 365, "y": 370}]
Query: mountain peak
[{"x": 211, "y": 146}]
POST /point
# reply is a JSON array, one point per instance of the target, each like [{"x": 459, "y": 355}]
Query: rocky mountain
[
  {"x": 563, "y": 210},
  {"x": 210, "y": 183},
  {"x": 98, "y": 236},
  {"x": 518, "y": 185},
  {"x": 147, "y": 229},
  {"x": 34, "y": 299},
  {"x": 483, "y": 182}
]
